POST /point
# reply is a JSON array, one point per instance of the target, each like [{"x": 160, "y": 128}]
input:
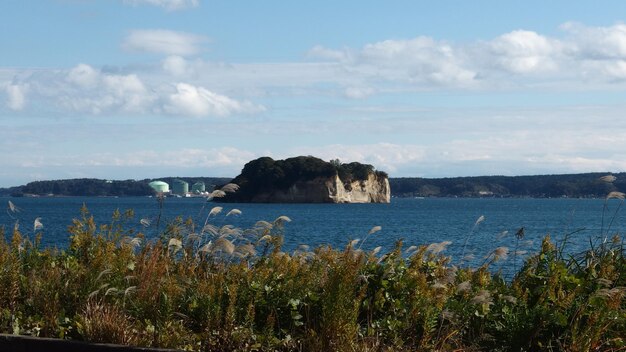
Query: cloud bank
[
  {"x": 163, "y": 41},
  {"x": 169, "y": 5},
  {"x": 84, "y": 89},
  {"x": 583, "y": 58}
]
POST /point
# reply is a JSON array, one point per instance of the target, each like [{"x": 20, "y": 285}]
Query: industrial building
[
  {"x": 180, "y": 187},
  {"x": 198, "y": 187},
  {"x": 159, "y": 186}
]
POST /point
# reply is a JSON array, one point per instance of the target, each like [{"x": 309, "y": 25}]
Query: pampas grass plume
[
  {"x": 234, "y": 212},
  {"x": 215, "y": 211},
  {"x": 375, "y": 229},
  {"x": 37, "y": 225},
  {"x": 616, "y": 195},
  {"x": 224, "y": 245},
  {"x": 608, "y": 178}
]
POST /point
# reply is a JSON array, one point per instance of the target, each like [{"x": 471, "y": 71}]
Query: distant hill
[
  {"x": 587, "y": 185},
  {"x": 101, "y": 188}
]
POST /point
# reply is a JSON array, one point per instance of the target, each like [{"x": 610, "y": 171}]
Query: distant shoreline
[{"x": 583, "y": 185}]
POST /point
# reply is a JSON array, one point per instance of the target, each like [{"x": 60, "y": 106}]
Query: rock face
[
  {"x": 375, "y": 189},
  {"x": 307, "y": 179}
]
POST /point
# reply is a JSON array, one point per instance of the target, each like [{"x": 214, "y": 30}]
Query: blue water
[{"x": 415, "y": 221}]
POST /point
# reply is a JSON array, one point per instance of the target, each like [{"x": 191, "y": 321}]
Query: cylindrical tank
[
  {"x": 198, "y": 187},
  {"x": 180, "y": 187},
  {"x": 159, "y": 186}
]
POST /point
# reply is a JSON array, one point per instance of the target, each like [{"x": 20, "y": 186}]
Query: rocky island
[{"x": 306, "y": 179}]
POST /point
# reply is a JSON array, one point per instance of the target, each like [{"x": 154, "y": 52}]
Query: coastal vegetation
[
  {"x": 91, "y": 187},
  {"x": 206, "y": 287},
  {"x": 585, "y": 185}
]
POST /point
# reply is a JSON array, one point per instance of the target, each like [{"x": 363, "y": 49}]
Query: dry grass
[{"x": 224, "y": 288}]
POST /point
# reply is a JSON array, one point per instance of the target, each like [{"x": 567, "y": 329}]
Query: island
[{"x": 307, "y": 179}]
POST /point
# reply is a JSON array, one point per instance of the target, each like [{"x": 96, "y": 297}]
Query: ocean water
[{"x": 414, "y": 221}]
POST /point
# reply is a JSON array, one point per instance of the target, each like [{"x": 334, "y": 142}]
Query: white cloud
[
  {"x": 597, "y": 43},
  {"x": 525, "y": 52},
  {"x": 421, "y": 61},
  {"x": 85, "y": 89},
  {"x": 384, "y": 156},
  {"x": 230, "y": 157},
  {"x": 84, "y": 76},
  {"x": 321, "y": 52},
  {"x": 199, "y": 101},
  {"x": 176, "y": 66},
  {"x": 583, "y": 55},
  {"x": 582, "y": 58},
  {"x": 359, "y": 92},
  {"x": 163, "y": 41},
  {"x": 16, "y": 96},
  {"x": 170, "y": 5}
]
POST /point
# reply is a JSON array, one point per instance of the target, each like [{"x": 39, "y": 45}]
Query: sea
[{"x": 474, "y": 227}]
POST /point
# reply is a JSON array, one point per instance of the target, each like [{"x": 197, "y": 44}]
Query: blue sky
[{"x": 146, "y": 88}]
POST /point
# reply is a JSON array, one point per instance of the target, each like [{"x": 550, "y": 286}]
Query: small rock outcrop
[{"x": 309, "y": 180}]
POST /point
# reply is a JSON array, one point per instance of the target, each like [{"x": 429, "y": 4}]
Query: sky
[{"x": 134, "y": 89}]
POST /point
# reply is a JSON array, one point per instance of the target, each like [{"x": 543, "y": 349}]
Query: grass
[{"x": 208, "y": 288}]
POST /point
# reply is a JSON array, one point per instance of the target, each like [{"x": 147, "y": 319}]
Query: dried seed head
[
  {"x": 483, "y": 297},
  {"x": 282, "y": 219},
  {"x": 479, "y": 220},
  {"x": 230, "y": 187},
  {"x": 509, "y": 299},
  {"x": 37, "y": 225},
  {"x": 437, "y": 248},
  {"x": 448, "y": 315},
  {"x": 438, "y": 286},
  {"x": 616, "y": 195},
  {"x": 411, "y": 249},
  {"x": 224, "y": 245},
  {"x": 375, "y": 229},
  {"x": 612, "y": 293},
  {"x": 604, "y": 282},
  {"x": 469, "y": 257},
  {"x": 234, "y": 212},
  {"x": 608, "y": 178},
  {"x": 464, "y": 286},
  {"x": 501, "y": 253},
  {"x": 218, "y": 193},
  {"x": 111, "y": 291},
  {"x": 263, "y": 225},
  {"x": 215, "y": 211},
  {"x": 206, "y": 248},
  {"x": 13, "y": 208},
  {"x": 246, "y": 250},
  {"x": 212, "y": 229},
  {"x": 175, "y": 244}
]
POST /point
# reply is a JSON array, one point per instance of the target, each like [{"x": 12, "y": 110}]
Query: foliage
[
  {"x": 97, "y": 187},
  {"x": 213, "y": 288},
  {"x": 574, "y": 185},
  {"x": 269, "y": 170}
]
